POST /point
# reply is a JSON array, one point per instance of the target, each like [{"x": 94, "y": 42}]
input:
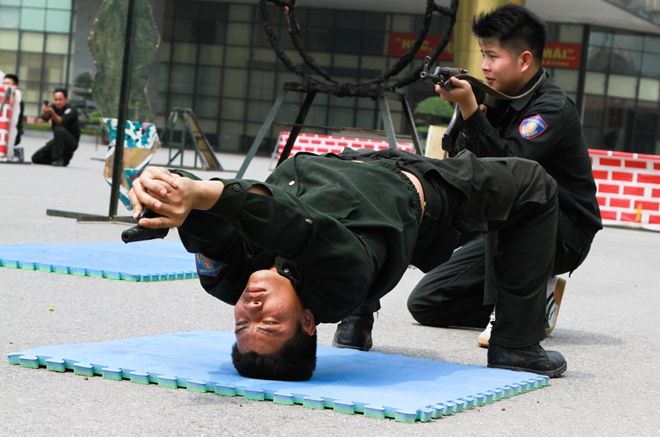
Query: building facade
[{"x": 215, "y": 58}]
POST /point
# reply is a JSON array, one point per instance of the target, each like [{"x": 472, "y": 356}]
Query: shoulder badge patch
[
  {"x": 207, "y": 266},
  {"x": 67, "y": 111},
  {"x": 532, "y": 127}
]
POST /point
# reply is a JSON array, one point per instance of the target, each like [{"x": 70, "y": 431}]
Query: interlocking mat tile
[
  {"x": 347, "y": 381},
  {"x": 154, "y": 260}
]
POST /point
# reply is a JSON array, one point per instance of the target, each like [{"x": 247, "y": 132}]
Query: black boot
[
  {"x": 527, "y": 359},
  {"x": 354, "y": 332}
]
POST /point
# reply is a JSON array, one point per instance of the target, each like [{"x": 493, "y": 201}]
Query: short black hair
[
  {"x": 13, "y": 77},
  {"x": 295, "y": 361},
  {"x": 61, "y": 90},
  {"x": 516, "y": 28}
]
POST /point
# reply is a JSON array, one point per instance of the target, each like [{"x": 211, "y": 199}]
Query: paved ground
[{"x": 607, "y": 330}]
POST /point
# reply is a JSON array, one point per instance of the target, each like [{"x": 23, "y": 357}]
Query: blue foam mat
[
  {"x": 348, "y": 381},
  {"x": 154, "y": 260}
]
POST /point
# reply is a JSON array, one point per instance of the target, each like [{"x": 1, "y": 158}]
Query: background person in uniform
[
  {"x": 324, "y": 235},
  {"x": 66, "y": 131},
  {"x": 14, "y": 151},
  {"x": 543, "y": 126}
]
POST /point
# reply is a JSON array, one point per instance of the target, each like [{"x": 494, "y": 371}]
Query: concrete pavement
[{"x": 607, "y": 330}]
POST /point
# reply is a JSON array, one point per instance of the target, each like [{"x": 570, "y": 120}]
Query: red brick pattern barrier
[
  {"x": 5, "y": 118},
  {"x": 628, "y": 188},
  {"x": 333, "y": 144}
]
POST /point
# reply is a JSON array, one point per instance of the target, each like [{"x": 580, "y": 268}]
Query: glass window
[
  {"x": 230, "y": 135},
  {"x": 649, "y": 89},
  {"x": 598, "y": 58},
  {"x": 35, "y": 3},
  {"x": 627, "y": 41},
  {"x": 211, "y": 32},
  {"x": 566, "y": 79},
  {"x": 233, "y": 109},
  {"x": 182, "y": 78},
  {"x": 570, "y": 33},
  {"x": 622, "y": 86},
  {"x": 235, "y": 83},
  {"x": 257, "y": 111},
  {"x": 59, "y": 4},
  {"x": 349, "y": 19},
  {"x": 365, "y": 119},
  {"x": 185, "y": 30},
  {"x": 347, "y": 41},
  {"x": 207, "y": 107},
  {"x": 8, "y": 60},
  {"x": 8, "y": 39},
  {"x": 184, "y": 53},
  {"x": 595, "y": 83},
  {"x": 403, "y": 23},
  {"x": 321, "y": 18},
  {"x": 651, "y": 65},
  {"x": 10, "y": 2},
  {"x": 57, "y": 44},
  {"x": 341, "y": 117},
  {"x": 262, "y": 85},
  {"x": 164, "y": 50},
  {"x": 180, "y": 101},
  {"x": 317, "y": 39},
  {"x": 600, "y": 38},
  {"x": 209, "y": 127},
  {"x": 33, "y": 19},
  {"x": 209, "y": 80},
  {"x": 55, "y": 67},
  {"x": 240, "y": 13},
  {"x": 374, "y": 43},
  {"x": 30, "y": 67},
  {"x": 163, "y": 78},
  {"x": 238, "y": 34},
  {"x": 9, "y": 17},
  {"x": 237, "y": 56},
  {"x": 376, "y": 21},
  {"x": 211, "y": 54},
  {"x": 625, "y": 62},
  {"x": 652, "y": 44},
  {"x": 32, "y": 42}
]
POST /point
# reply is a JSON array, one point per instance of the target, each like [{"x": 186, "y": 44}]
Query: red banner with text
[{"x": 555, "y": 54}]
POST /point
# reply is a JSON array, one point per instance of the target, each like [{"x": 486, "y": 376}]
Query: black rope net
[{"x": 373, "y": 87}]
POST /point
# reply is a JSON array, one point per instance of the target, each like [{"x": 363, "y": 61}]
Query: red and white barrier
[
  {"x": 334, "y": 144},
  {"x": 5, "y": 121},
  {"x": 628, "y": 188}
]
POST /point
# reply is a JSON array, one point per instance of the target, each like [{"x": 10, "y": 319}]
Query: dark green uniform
[
  {"x": 545, "y": 127},
  {"x": 65, "y": 138},
  {"x": 344, "y": 232}
]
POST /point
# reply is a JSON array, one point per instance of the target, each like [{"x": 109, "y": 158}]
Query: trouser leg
[
  {"x": 43, "y": 155},
  {"x": 524, "y": 259},
  {"x": 64, "y": 144},
  {"x": 452, "y": 294}
]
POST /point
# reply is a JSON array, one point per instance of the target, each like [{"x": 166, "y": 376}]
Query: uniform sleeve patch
[
  {"x": 532, "y": 127},
  {"x": 67, "y": 111},
  {"x": 207, "y": 266}
]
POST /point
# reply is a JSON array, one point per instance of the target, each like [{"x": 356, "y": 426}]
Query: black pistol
[
  {"x": 138, "y": 233},
  {"x": 441, "y": 75}
]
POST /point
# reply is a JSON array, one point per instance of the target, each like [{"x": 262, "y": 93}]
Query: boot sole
[{"x": 550, "y": 373}]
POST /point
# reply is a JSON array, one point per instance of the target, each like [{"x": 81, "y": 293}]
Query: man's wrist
[{"x": 207, "y": 193}]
